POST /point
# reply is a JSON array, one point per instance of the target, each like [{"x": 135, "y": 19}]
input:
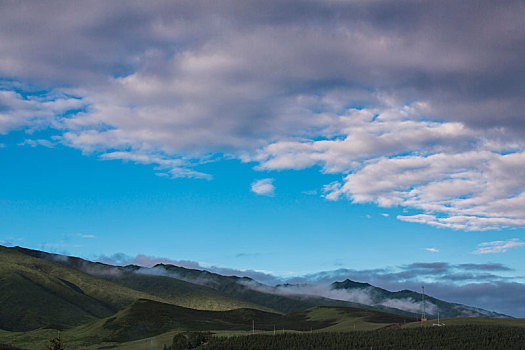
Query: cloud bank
[{"x": 417, "y": 104}]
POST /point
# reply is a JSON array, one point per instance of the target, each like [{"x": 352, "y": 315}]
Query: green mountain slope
[
  {"x": 146, "y": 318},
  {"x": 198, "y": 289},
  {"x": 39, "y": 289},
  {"x": 180, "y": 292},
  {"x": 244, "y": 288},
  {"x": 55, "y": 292},
  {"x": 37, "y": 293},
  {"x": 158, "y": 287},
  {"x": 347, "y": 319},
  {"x": 149, "y": 320}
]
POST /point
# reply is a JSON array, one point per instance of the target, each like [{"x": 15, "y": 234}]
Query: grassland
[
  {"x": 145, "y": 322},
  {"x": 139, "y": 321},
  {"x": 471, "y": 321},
  {"x": 97, "y": 305},
  {"x": 350, "y": 319}
]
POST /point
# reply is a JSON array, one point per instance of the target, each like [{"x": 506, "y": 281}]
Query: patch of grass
[
  {"x": 472, "y": 321},
  {"x": 352, "y": 319},
  {"x": 146, "y": 318}
]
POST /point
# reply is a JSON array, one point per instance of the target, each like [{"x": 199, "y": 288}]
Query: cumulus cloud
[
  {"x": 32, "y": 110},
  {"x": 263, "y": 187},
  {"x": 458, "y": 177},
  {"x": 498, "y": 246},
  {"x": 432, "y": 250},
  {"x": 416, "y": 104}
]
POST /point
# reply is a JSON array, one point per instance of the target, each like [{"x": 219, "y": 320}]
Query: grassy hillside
[
  {"x": 37, "y": 292},
  {"x": 40, "y": 289},
  {"x": 347, "y": 319},
  {"x": 151, "y": 321},
  {"x": 103, "y": 305},
  {"x": 148, "y": 325},
  {"x": 146, "y": 318},
  {"x": 164, "y": 288},
  {"x": 248, "y": 290},
  {"x": 195, "y": 288}
]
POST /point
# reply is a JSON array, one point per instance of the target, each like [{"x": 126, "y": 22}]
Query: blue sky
[
  {"x": 286, "y": 138},
  {"x": 58, "y": 200}
]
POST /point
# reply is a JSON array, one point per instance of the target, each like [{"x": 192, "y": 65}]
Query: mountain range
[{"x": 40, "y": 289}]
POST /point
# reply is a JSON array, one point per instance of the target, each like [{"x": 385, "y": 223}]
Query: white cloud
[
  {"x": 498, "y": 246},
  {"x": 432, "y": 250},
  {"x": 457, "y": 177},
  {"x": 165, "y": 166},
  {"x": 310, "y": 192},
  {"x": 39, "y": 142},
  {"x": 331, "y": 191},
  {"x": 32, "y": 111},
  {"x": 174, "y": 91},
  {"x": 81, "y": 235},
  {"x": 264, "y": 187},
  {"x": 62, "y": 245},
  {"x": 409, "y": 304}
]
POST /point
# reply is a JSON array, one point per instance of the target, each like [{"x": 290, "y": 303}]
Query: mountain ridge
[{"x": 41, "y": 289}]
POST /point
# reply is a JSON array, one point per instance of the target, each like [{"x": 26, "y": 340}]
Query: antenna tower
[{"x": 423, "y": 316}]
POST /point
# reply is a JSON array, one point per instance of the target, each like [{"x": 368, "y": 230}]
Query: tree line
[{"x": 450, "y": 337}]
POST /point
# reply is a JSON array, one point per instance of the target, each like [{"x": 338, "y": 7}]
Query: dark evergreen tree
[
  {"x": 180, "y": 342},
  {"x": 55, "y": 343}
]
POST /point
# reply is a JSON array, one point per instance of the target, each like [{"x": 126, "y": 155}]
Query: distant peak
[
  {"x": 132, "y": 267},
  {"x": 348, "y": 283}
]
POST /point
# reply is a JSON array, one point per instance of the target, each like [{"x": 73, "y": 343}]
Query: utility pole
[
  {"x": 273, "y": 329},
  {"x": 423, "y": 316},
  {"x": 253, "y": 326}
]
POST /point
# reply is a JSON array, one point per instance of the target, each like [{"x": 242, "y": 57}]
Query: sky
[{"x": 378, "y": 140}]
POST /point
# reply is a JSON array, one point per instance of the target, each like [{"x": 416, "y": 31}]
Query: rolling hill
[
  {"x": 97, "y": 303},
  {"x": 150, "y": 320},
  {"x": 37, "y": 292},
  {"x": 195, "y": 288},
  {"x": 246, "y": 289}
]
